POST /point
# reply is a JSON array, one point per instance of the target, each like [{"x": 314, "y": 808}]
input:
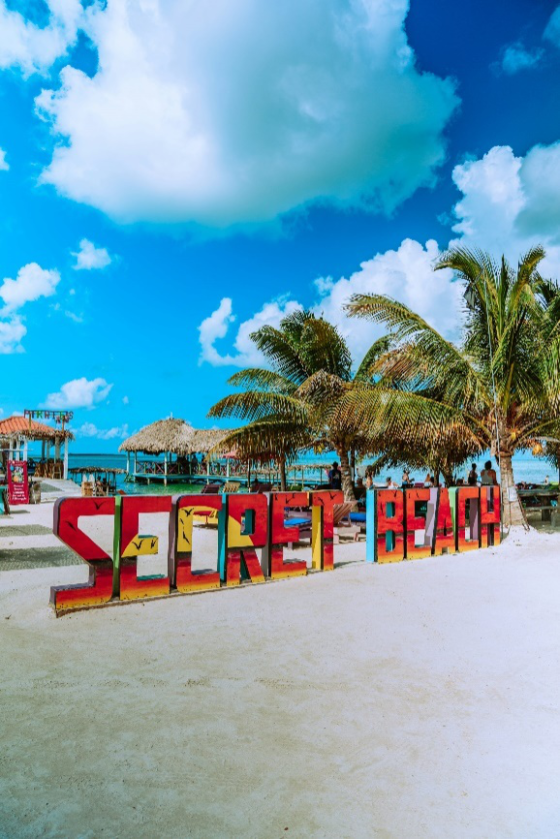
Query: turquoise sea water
[{"x": 527, "y": 468}]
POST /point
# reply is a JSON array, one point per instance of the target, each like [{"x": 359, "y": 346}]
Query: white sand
[{"x": 412, "y": 700}]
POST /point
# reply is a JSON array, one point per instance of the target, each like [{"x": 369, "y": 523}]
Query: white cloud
[
  {"x": 492, "y": 190},
  {"x": 88, "y": 429},
  {"x": 516, "y": 57},
  {"x": 89, "y": 257},
  {"x": 552, "y": 31},
  {"x": 73, "y": 316},
  {"x": 244, "y": 113},
  {"x": 31, "y": 283},
  {"x": 510, "y": 203},
  {"x": 32, "y": 48},
  {"x": 12, "y": 331},
  {"x": 79, "y": 393},
  {"x": 216, "y": 326},
  {"x": 4, "y": 165},
  {"x": 125, "y": 400},
  {"x": 406, "y": 273}
]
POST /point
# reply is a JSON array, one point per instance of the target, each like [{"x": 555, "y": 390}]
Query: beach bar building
[
  {"x": 18, "y": 433},
  {"x": 170, "y": 451}
]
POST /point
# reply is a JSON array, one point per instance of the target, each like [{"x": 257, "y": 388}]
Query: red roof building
[{"x": 17, "y": 432}]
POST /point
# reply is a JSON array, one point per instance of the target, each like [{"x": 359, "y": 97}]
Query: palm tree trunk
[
  {"x": 513, "y": 513},
  {"x": 347, "y": 485},
  {"x": 283, "y": 482},
  {"x": 447, "y": 473}
]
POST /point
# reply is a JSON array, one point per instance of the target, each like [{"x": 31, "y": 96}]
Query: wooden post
[
  {"x": 227, "y": 467},
  {"x": 65, "y": 473},
  {"x": 25, "y": 449},
  {"x": 128, "y": 463},
  {"x": 165, "y": 468},
  {"x": 135, "y": 463}
]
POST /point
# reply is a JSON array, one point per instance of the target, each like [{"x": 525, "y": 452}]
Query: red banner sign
[{"x": 18, "y": 488}]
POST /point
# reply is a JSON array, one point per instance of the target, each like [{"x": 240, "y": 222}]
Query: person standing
[
  {"x": 335, "y": 477},
  {"x": 472, "y": 480}
]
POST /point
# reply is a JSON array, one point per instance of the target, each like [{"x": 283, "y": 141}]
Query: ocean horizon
[{"x": 527, "y": 467}]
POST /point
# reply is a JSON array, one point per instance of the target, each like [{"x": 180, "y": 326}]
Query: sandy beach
[{"x": 418, "y": 699}]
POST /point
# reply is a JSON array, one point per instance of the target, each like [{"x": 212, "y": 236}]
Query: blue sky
[{"x": 173, "y": 175}]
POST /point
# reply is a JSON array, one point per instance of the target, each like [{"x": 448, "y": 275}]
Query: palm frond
[
  {"x": 255, "y": 378},
  {"x": 256, "y": 405}
]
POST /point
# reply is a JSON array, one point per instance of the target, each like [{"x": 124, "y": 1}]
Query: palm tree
[
  {"x": 498, "y": 389},
  {"x": 443, "y": 457},
  {"x": 295, "y": 405}
]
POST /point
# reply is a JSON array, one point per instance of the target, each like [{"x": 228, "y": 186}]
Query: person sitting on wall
[
  {"x": 335, "y": 477},
  {"x": 429, "y": 482},
  {"x": 390, "y": 484},
  {"x": 406, "y": 481},
  {"x": 488, "y": 475}
]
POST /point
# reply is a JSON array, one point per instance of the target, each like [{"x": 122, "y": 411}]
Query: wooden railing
[{"x": 201, "y": 470}]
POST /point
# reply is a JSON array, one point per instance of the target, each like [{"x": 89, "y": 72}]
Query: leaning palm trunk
[
  {"x": 347, "y": 485},
  {"x": 512, "y": 510}
]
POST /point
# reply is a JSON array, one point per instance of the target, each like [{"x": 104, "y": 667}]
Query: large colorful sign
[
  {"x": 416, "y": 523},
  {"x": 18, "y": 487},
  {"x": 408, "y": 524}
]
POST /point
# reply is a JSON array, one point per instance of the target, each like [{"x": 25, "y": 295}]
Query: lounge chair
[
  {"x": 342, "y": 524},
  {"x": 210, "y": 489},
  {"x": 359, "y": 519},
  {"x": 231, "y": 486}
]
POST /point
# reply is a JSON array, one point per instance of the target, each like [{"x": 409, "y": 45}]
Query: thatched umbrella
[
  {"x": 168, "y": 435},
  {"x": 175, "y": 436}
]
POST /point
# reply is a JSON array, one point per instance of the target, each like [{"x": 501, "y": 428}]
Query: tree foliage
[{"x": 496, "y": 389}]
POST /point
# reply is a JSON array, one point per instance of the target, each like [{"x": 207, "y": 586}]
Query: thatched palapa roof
[
  {"x": 204, "y": 440},
  {"x": 173, "y": 435},
  {"x": 168, "y": 435}
]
